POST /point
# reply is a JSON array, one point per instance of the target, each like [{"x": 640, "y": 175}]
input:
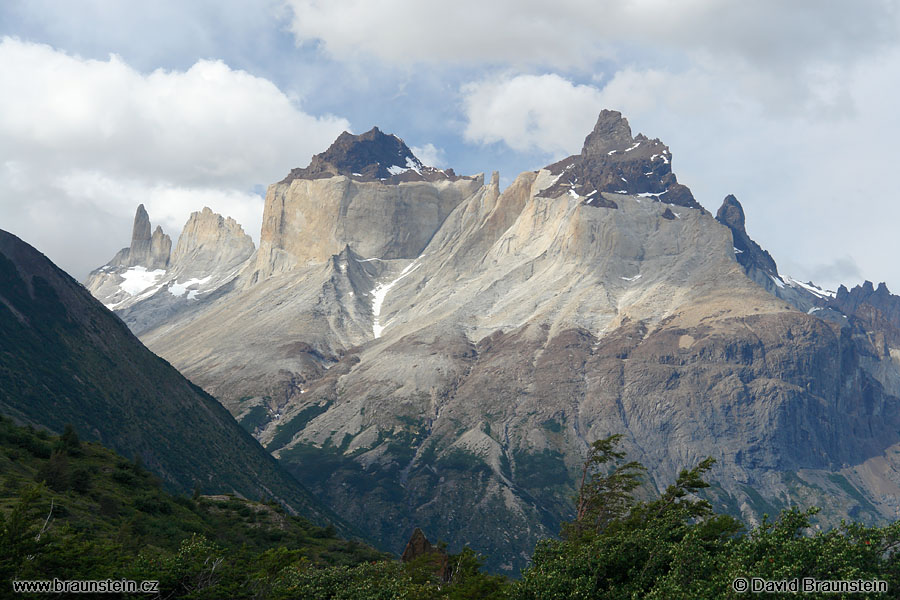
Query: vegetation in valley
[{"x": 75, "y": 510}]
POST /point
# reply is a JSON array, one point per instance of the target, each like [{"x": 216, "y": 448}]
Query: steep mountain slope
[
  {"x": 97, "y": 495},
  {"x": 66, "y": 359},
  {"x": 438, "y": 353}
]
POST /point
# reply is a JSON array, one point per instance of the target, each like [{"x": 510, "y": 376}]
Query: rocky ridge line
[
  {"x": 371, "y": 156},
  {"x": 614, "y": 162}
]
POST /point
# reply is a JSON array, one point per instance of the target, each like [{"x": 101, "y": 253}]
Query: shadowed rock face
[
  {"x": 876, "y": 309},
  {"x": 613, "y": 161},
  {"x": 748, "y": 253},
  {"x": 65, "y": 359}
]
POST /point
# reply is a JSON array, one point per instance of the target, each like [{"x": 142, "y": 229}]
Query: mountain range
[{"x": 420, "y": 348}]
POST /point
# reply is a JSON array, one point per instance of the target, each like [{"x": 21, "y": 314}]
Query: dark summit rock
[
  {"x": 371, "y": 156},
  {"x": 612, "y": 161},
  {"x": 748, "y": 253},
  {"x": 611, "y": 133}
]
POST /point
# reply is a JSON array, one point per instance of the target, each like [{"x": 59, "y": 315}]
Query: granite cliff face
[
  {"x": 307, "y": 221},
  {"x": 210, "y": 242},
  {"x": 438, "y": 353}
]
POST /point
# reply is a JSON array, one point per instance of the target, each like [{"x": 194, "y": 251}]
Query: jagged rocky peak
[
  {"x": 748, "y": 253},
  {"x": 612, "y": 161},
  {"x": 879, "y": 298},
  {"x": 731, "y": 213},
  {"x": 875, "y": 309},
  {"x": 209, "y": 241},
  {"x": 151, "y": 251},
  {"x": 611, "y": 134},
  {"x": 759, "y": 265},
  {"x": 371, "y": 156}
]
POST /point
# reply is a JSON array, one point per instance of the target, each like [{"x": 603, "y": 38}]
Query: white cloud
[
  {"x": 167, "y": 203},
  {"x": 87, "y": 138},
  {"x": 429, "y": 155},
  {"x": 577, "y": 33},
  {"x": 543, "y": 112}
]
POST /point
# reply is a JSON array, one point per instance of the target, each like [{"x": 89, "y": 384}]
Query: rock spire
[{"x": 146, "y": 250}]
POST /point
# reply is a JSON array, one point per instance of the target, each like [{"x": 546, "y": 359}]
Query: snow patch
[
  {"x": 633, "y": 147},
  {"x": 395, "y": 170},
  {"x": 737, "y": 250},
  {"x": 777, "y": 281},
  {"x": 178, "y": 289},
  {"x": 380, "y": 293},
  {"x": 635, "y": 278},
  {"x": 611, "y": 152},
  {"x": 573, "y": 193},
  {"x": 811, "y": 288},
  {"x": 138, "y": 279},
  {"x": 413, "y": 164}
]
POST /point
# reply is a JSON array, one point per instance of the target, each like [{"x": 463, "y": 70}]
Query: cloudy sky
[{"x": 791, "y": 106}]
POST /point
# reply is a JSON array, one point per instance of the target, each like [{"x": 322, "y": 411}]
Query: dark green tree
[
  {"x": 69, "y": 441},
  {"x": 605, "y": 490},
  {"x": 55, "y": 472},
  {"x": 21, "y": 539}
]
